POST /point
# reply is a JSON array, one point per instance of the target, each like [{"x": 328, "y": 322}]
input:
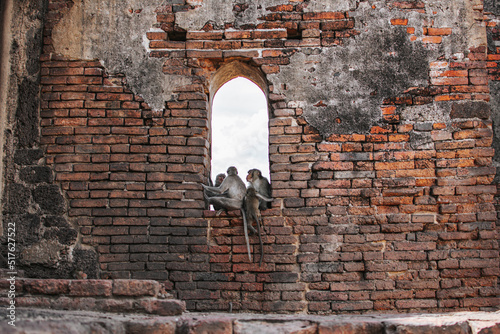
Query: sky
[{"x": 240, "y": 128}]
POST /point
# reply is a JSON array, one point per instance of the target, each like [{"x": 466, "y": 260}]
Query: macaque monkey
[
  {"x": 229, "y": 194},
  {"x": 261, "y": 185},
  {"x": 252, "y": 200}
]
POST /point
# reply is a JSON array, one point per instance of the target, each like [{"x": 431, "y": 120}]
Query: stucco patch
[{"x": 113, "y": 32}]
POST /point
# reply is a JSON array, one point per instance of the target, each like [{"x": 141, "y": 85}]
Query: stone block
[
  {"x": 135, "y": 288},
  {"x": 46, "y": 286},
  {"x": 163, "y": 307},
  {"x": 97, "y": 288},
  {"x": 350, "y": 327}
]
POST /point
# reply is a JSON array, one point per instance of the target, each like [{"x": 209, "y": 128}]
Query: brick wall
[{"x": 399, "y": 218}]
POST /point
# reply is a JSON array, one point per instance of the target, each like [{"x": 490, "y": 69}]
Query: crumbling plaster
[
  {"x": 343, "y": 86},
  {"x": 492, "y": 6}
]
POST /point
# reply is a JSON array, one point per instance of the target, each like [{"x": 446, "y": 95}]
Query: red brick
[
  {"x": 70, "y": 122},
  {"x": 320, "y": 166},
  {"x": 432, "y": 39},
  {"x": 114, "y": 96},
  {"x": 337, "y": 25},
  {"x": 157, "y": 35},
  {"x": 93, "y": 71},
  {"x": 46, "y": 286},
  {"x": 167, "y": 45},
  {"x": 87, "y": 80},
  {"x": 449, "y": 81},
  {"x": 135, "y": 288},
  {"x": 449, "y": 73},
  {"x": 238, "y": 34},
  {"x": 205, "y": 35},
  {"x": 110, "y": 230},
  {"x": 281, "y": 8},
  {"x": 66, "y": 104},
  {"x": 324, "y": 16},
  {"x": 66, "y": 71},
  {"x": 102, "y": 104},
  {"x": 416, "y": 303},
  {"x": 437, "y": 31},
  {"x": 269, "y": 34},
  {"x": 399, "y": 22},
  {"x": 77, "y": 96},
  {"x": 89, "y": 203},
  {"x": 222, "y": 45},
  {"x": 394, "y": 165},
  {"x": 90, "y": 288}
]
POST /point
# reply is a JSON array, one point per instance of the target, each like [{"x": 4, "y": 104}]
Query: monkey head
[
  {"x": 232, "y": 171},
  {"x": 254, "y": 174},
  {"x": 251, "y": 192},
  {"x": 219, "y": 178}
]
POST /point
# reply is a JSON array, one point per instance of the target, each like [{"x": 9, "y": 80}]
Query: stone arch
[{"x": 233, "y": 70}]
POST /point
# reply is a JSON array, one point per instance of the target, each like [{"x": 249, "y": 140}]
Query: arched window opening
[{"x": 240, "y": 128}]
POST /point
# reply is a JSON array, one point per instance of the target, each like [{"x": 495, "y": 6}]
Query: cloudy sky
[{"x": 240, "y": 129}]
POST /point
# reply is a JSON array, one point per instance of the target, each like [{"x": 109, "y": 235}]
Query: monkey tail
[{"x": 245, "y": 230}]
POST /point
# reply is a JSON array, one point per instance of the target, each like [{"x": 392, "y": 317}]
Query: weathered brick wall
[{"x": 384, "y": 204}]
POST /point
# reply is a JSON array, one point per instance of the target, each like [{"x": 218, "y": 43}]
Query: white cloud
[{"x": 240, "y": 128}]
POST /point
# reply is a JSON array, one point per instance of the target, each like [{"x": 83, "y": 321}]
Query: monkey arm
[
  {"x": 216, "y": 190},
  {"x": 224, "y": 186},
  {"x": 209, "y": 193}
]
